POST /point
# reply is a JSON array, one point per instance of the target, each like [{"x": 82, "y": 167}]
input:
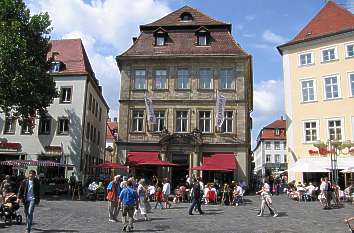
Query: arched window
[{"x": 186, "y": 16}]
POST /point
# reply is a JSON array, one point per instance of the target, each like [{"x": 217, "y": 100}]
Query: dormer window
[
  {"x": 186, "y": 16},
  {"x": 202, "y": 36},
  {"x": 160, "y": 37},
  {"x": 277, "y": 132},
  {"x": 55, "y": 66}
]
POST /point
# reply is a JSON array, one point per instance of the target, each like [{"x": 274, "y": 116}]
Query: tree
[{"x": 26, "y": 87}]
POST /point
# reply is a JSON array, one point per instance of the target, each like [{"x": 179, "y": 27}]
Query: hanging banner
[
  {"x": 150, "y": 110},
  {"x": 220, "y": 108}
]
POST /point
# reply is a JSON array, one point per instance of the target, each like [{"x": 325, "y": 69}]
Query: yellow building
[{"x": 318, "y": 66}]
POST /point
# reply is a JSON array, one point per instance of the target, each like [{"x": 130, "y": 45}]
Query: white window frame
[
  {"x": 59, "y": 130},
  {"x": 200, "y": 78},
  {"x": 304, "y": 131},
  {"x": 306, "y": 53},
  {"x": 135, "y": 79},
  {"x": 228, "y": 77},
  {"x": 270, "y": 158},
  {"x": 351, "y": 91},
  {"x": 67, "y": 98},
  {"x": 277, "y": 143},
  {"x": 346, "y": 50},
  {"x": 314, "y": 90},
  {"x": 335, "y": 54},
  {"x": 160, "y": 39},
  {"x": 135, "y": 125},
  {"x": 226, "y": 123},
  {"x": 203, "y": 42},
  {"x": 40, "y": 125},
  {"x": 160, "y": 118},
  {"x": 204, "y": 119},
  {"x": 277, "y": 160},
  {"x": 268, "y": 143},
  {"x": 13, "y": 125},
  {"x": 341, "y": 119},
  {"x": 338, "y": 84},
  {"x": 179, "y": 118},
  {"x": 184, "y": 77},
  {"x": 161, "y": 76}
]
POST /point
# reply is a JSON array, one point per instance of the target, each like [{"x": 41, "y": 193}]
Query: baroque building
[{"x": 182, "y": 62}]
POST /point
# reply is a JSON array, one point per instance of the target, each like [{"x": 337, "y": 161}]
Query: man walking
[
  {"x": 196, "y": 197},
  {"x": 166, "y": 192},
  {"x": 266, "y": 200},
  {"x": 29, "y": 194},
  {"x": 129, "y": 199}
]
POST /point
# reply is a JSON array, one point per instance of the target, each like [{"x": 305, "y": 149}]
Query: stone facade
[{"x": 186, "y": 148}]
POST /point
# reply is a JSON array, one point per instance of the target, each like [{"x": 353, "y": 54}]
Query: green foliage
[{"x": 26, "y": 87}]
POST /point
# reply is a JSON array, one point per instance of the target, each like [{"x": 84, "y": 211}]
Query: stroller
[{"x": 8, "y": 209}]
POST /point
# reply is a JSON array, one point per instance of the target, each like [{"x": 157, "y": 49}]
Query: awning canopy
[
  {"x": 110, "y": 165},
  {"x": 147, "y": 158},
  {"x": 224, "y": 162},
  {"x": 320, "y": 164}
]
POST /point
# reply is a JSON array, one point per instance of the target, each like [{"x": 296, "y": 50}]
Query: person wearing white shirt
[
  {"x": 266, "y": 200},
  {"x": 166, "y": 189}
]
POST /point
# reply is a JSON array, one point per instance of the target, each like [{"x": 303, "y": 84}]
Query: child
[{"x": 159, "y": 197}]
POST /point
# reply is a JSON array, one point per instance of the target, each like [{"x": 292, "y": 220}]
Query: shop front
[{"x": 11, "y": 151}]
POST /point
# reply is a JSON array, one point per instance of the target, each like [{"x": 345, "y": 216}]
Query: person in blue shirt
[{"x": 130, "y": 201}]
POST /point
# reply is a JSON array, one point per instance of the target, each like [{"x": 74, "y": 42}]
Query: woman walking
[
  {"x": 142, "y": 194},
  {"x": 266, "y": 200}
]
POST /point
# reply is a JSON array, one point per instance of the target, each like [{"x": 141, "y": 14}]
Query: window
[
  {"x": 100, "y": 117},
  {"x": 285, "y": 158},
  {"x": 227, "y": 124},
  {"x": 331, "y": 87},
  {"x": 329, "y": 54},
  {"x": 160, "y": 40},
  {"x": 350, "y": 50},
  {"x": 90, "y": 102},
  {"x": 161, "y": 79},
  {"x": 98, "y": 137},
  {"x": 186, "y": 16},
  {"x": 226, "y": 78},
  {"x": 96, "y": 112},
  {"x": 93, "y": 105},
  {"x": 306, "y": 59},
  {"x": 65, "y": 95},
  {"x": 44, "y": 125},
  {"x": 277, "y": 158},
  {"x": 160, "y": 121},
  {"x": 138, "y": 121},
  {"x": 335, "y": 129},
  {"x": 308, "y": 90},
  {"x": 63, "y": 126},
  {"x": 268, "y": 159},
  {"x": 267, "y": 145},
  {"x": 351, "y": 81},
  {"x": 26, "y": 128},
  {"x": 277, "y": 132},
  {"x": 204, "y": 121},
  {"x": 182, "y": 79},
  {"x": 181, "y": 121},
  {"x": 202, "y": 39},
  {"x": 205, "y": 78},
  {"x": 88, "y": 131},
  {"x": 276, "y": 145},
  {"x": 10, "y": 125},
  {"x": 311, "y": 131},
  {"x": 55, "y": 67},
  {"x": 139, "y": 81}
]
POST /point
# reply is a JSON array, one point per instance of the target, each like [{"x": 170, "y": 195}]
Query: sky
[{"x": 106, "y": 28}]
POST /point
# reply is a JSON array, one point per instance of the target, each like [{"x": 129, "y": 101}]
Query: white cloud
[
  {"x": 106, "y": 28},
  {"x": 272, "y": 38},
  {"x": 268, "y": 100},
  {"x": 250, "y": 18}
]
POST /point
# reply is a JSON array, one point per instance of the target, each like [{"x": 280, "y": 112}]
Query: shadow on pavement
[{"x": 53, "y": 230}]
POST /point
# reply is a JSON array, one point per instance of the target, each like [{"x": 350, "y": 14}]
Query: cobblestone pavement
[{"x": 55, "y": 216}]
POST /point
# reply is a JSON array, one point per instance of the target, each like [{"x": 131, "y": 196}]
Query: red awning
[
  {"x": 224, "y": 162},
  {"x": 110, "y": 165},
  {"x": 147, "y": 158}
]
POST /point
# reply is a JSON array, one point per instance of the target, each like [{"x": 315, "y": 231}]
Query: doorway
[{"x": 179, "y": 172}]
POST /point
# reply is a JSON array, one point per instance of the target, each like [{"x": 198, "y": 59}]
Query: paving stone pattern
[{"x": 56, "y": 216}]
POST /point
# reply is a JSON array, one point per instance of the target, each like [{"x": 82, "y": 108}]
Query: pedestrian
[
  {"x": 225, "y": 200},
  {"x": 166, "y": 192},
  {"x": 29, "y": 195},
  {"x": 113, "y": 192},
  {"x": 237, "y": 194},
  {"x": 142, "y": 194},
  {"x": 123, "y": 184},
  {"x": 196, "y": 197},
  {"x": 72, "y": 182},
  {"x": 129, "y": 200},
  {"x": 159, "y": 198},
  {"x": 266, "y": 200}
]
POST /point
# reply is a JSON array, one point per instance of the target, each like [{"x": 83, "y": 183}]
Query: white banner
[
  {"x": 150, "y": 110},
  {"x": 220, "y": 108}
]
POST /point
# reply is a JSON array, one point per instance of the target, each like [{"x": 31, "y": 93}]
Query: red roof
[
  {"x": 111, "y": 128},
  {"x": 218, "y": 162},
  {"x": 147, "y": 158},
  {"x": 268, "y": 132},
  {"x": 331, "y": 19},
  {"x": 72, "y": 53},
  {"x": 278, "y": 124},
  {"x": 173, "y": 19}
]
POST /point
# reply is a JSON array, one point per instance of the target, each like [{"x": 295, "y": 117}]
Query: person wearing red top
[{"x": 159, "y": 197}]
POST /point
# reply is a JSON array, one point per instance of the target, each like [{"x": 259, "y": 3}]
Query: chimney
[
  {"x": 134, "y": 39},
  {"x": 115, "y": 119},
  {"x": 109, "y": 119}
]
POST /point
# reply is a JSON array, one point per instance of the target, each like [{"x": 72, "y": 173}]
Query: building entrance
[{"x": 179, "y": 172}]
